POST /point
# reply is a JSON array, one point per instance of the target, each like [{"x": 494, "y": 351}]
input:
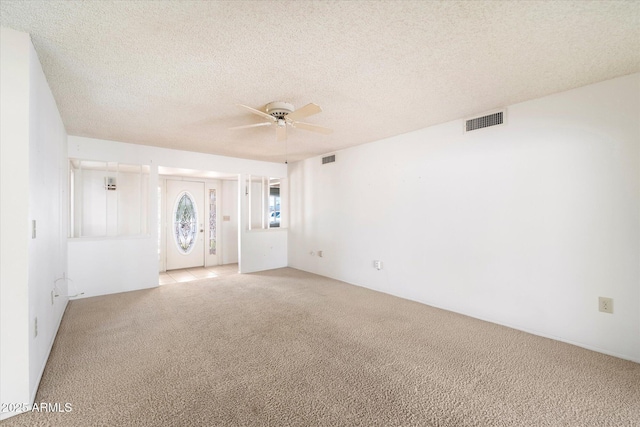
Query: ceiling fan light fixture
[
  {"x": 279, "y": 109},
  {"x": 282, "y": 114}
]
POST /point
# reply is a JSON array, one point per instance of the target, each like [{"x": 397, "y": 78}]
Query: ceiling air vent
[
  {"x": 485, "y": 121},
  {"x": 329, "y": 159}
]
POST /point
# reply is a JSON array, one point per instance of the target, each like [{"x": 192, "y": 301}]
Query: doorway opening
[{"x": 197, "y": 222}]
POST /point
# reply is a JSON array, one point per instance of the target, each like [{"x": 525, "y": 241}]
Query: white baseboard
[{"x": 508, "y": 325}]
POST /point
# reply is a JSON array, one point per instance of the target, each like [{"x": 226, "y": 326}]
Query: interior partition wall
[{"x": 101, "y": 265}]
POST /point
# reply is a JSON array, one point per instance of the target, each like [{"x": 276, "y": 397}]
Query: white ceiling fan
[{"x": 282, "y": 114}]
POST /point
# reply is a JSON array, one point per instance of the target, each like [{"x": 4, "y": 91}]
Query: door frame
[{"x": 209, "y": 184}]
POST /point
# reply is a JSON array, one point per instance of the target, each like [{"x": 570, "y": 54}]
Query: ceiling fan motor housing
[{"x": 279, "y": 109}]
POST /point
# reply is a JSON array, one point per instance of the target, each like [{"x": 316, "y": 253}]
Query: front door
[{"x": 185, "y": 224}]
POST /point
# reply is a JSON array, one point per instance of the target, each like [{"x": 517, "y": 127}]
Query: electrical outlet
[
  {"x": 320, "y": 254},
  {"x": 35, "y": 328},
  {"x": 377, "y": 264},
  {"x": 605, "y": 305}
]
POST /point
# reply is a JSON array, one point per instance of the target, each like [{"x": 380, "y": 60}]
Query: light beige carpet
[{"x": 290, "y": 348}]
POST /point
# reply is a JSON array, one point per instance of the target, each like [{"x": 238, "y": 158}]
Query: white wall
[
  {"x": 125, "y": 273},
  {"x": 48, "y": 206},
  {"x": 101, "y": 266},
  {"x": 229, "y": 227},
  {"x": 525, "y": 224},
  {"x": 132, "y": 200},
  {"x": 259, "y": 201},
  {"x": 14, "y": 214},
  {"x": 110, "y": 213},
  {"x": 260, "y": 249},
  {"x": 33, "y": 169},
  {"x": 263, "y": 250},
  {"x": 93, "y": 200}
]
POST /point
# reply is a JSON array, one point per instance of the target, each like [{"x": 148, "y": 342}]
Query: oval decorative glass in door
[{"x": 185, "y": 222}]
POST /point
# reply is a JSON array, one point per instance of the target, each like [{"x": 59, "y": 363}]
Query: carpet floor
[{"x": 285, "y": 347}]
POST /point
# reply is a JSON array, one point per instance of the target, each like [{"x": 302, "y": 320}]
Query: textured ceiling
[{"x": 170, "y": 73}]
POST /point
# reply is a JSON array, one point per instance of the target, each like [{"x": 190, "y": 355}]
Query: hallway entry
[{"x": 197, "y": 219}]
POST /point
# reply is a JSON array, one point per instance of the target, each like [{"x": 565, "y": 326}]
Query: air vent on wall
[
  {"x": 329, "y": 159},
  {"x": 485, "y": 121}
]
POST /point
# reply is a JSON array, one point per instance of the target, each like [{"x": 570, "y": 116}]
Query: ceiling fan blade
[
  {"x": 313, "y": 128},
  {"x": 281, "y": 133},
  {"x": 258, "y": 112},
  {"x": 305, "y": 111},
  {"x": 251, "y": 126}
]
